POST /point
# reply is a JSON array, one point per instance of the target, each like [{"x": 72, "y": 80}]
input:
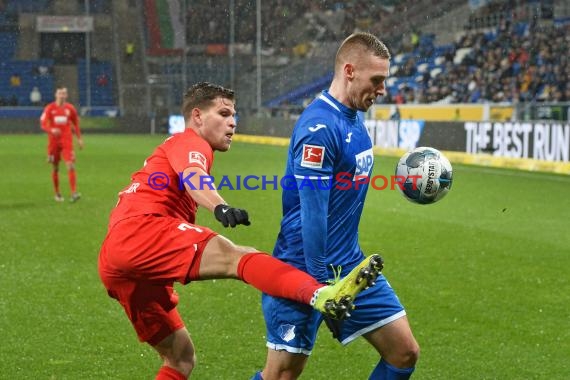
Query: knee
[
  {"x": 188, "y": 363},
  {"x": 183, "y": 363},
  {"x": 282, "y": 374},
  {"x": 177, "y": 351},
  {"x": 409, "y": 355},
  {"x": 235, "y": 254},
  {"x": 224, "y": 258}
]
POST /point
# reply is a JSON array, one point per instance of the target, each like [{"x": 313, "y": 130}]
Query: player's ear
[
  {"x": 196, "y": 117},
  {"x": 349, "y": 70}
]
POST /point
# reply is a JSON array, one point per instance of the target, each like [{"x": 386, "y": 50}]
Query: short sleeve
[{"x": 190, "y": 151}]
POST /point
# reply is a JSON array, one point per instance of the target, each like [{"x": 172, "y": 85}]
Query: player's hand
[
  {"x": 56, "y": 131},
  {"x": 80, "y": 143},
  {"x": 230, "y": 216}
]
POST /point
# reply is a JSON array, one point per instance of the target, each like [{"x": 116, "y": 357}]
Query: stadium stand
[
  {"x": 30, "y": 77},
  {"x": 19, "y": 77},
  {"x": 14, "y": 7},
  {"x": 21, "y": 55},
  {"x": 510, "y": 52},
  {"x": 102, "y": 83},
  {"x": 8, "y": 45},
  {"x": 512, "y": 62}
]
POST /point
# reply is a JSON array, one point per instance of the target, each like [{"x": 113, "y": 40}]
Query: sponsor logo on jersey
[
  {"x": 364, "y": 161},
  {"x": 197, "y": 158},
  {"x": 313, "y": 156},
  {"x": 60, "y": 120}
]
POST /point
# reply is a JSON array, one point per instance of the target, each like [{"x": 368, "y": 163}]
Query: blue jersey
[{"x": 329, "y": 156}]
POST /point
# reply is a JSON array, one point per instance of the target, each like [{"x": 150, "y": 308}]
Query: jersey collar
[{"x": 327, "y": 98}]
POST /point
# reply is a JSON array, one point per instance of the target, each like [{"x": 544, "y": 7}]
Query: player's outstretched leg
[{"x": 337, "y": 300}]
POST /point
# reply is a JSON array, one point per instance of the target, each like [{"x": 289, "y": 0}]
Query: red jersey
[
  {"x": 156, "y": 188},
  {"x": 63, "y": 117}
]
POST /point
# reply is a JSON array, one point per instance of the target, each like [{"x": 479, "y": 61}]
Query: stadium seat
[
  {"x": 26, "y": 6},
  {"x": 394, "y": 69},
  {"x": 460, "y": 54},
  {"x": 101, "y": 83},
  {"x": 439, "y": 60},
  {"x": 401, "y": 58},
  {"x": 422, "y": 68},
  {"x": 435, "y": 72},
  {"x": 521, "y": 28},
  {"x": 8, "y": 45},
  {"x": 390, "y": 82}
]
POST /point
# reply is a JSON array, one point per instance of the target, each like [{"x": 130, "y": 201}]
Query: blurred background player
[
  {"x": 319, "y": 229},
  {"x": 58, "y": 119},
  {"x": 153, "y": 242}
]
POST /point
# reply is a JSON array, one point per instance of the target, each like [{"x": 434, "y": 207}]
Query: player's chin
[
  {"x": 224, "y": 147},
  {"x": 368, "y": 103}
]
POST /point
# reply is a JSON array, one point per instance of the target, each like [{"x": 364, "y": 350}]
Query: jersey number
[{"x": 186, "y": 227}]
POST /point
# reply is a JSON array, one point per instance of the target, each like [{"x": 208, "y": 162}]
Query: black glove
[
  {"x": 334, "y": 326},
  {"x": 230, "y": 216}
]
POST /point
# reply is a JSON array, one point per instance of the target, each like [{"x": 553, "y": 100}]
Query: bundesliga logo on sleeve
[
  {"x": 197, "y": 158},
  {"x": 313, "y": 156}
]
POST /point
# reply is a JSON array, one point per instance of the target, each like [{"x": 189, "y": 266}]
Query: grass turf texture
[{"x": 483, "y": 273}]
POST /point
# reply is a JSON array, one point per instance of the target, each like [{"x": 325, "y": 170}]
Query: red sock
[
  {"x": 169, "y": 373},
  {"x": 71, "y": 174},
  {"x": 276, "y": 278},
  {"x": 55, "y": 180}
]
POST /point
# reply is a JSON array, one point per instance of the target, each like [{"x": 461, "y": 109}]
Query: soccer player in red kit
[
  {"x": 153, "y": 241},
  {"x": 58, "y": 120}
]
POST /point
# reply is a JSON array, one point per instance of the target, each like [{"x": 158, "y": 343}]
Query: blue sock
[
  {"x": 257, "y": 376},
  {"x": 385, "y": 371}
]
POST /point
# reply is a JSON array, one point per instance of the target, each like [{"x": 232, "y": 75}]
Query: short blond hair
[{"x": 356, "y": 44}]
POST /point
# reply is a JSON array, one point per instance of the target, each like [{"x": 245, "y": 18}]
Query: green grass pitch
[{"x": 484, "y": 274}]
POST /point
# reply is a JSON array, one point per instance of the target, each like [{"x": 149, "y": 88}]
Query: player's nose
[
  {"x": 380, "y": 90},
  {"x": 232, "y": 123}
]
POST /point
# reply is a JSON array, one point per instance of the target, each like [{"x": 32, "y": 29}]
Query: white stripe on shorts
[
  {"x": 374, "y": 326},
  {"x": 293, "y": 350}
]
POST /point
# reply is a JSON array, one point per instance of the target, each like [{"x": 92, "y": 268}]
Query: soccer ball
[{"x": 427, "y": 175}]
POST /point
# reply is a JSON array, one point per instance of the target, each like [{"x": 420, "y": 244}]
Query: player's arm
[
  {"x": 75, "y": 125},
  {"x": 314, "y": 226},
  {"x": 46, "y": 125},
  {"x": 44, "y": 122},
  {"x": 202, "y": 189},
  {"x": 313, "y": 181}
]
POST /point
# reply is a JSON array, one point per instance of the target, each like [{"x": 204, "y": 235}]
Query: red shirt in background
[{"x": 64, "y": 118}]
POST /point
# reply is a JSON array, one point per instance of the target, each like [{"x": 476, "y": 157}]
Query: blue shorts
[{"x": 292, "y": 326}]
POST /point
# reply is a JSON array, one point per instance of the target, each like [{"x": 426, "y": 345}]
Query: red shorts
[
  {"x": 139, "y": 262},
  {"x": 58, "y": 148}
]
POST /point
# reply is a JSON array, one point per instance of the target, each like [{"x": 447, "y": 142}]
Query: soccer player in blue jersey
[{"x": 330, "y": 155}]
